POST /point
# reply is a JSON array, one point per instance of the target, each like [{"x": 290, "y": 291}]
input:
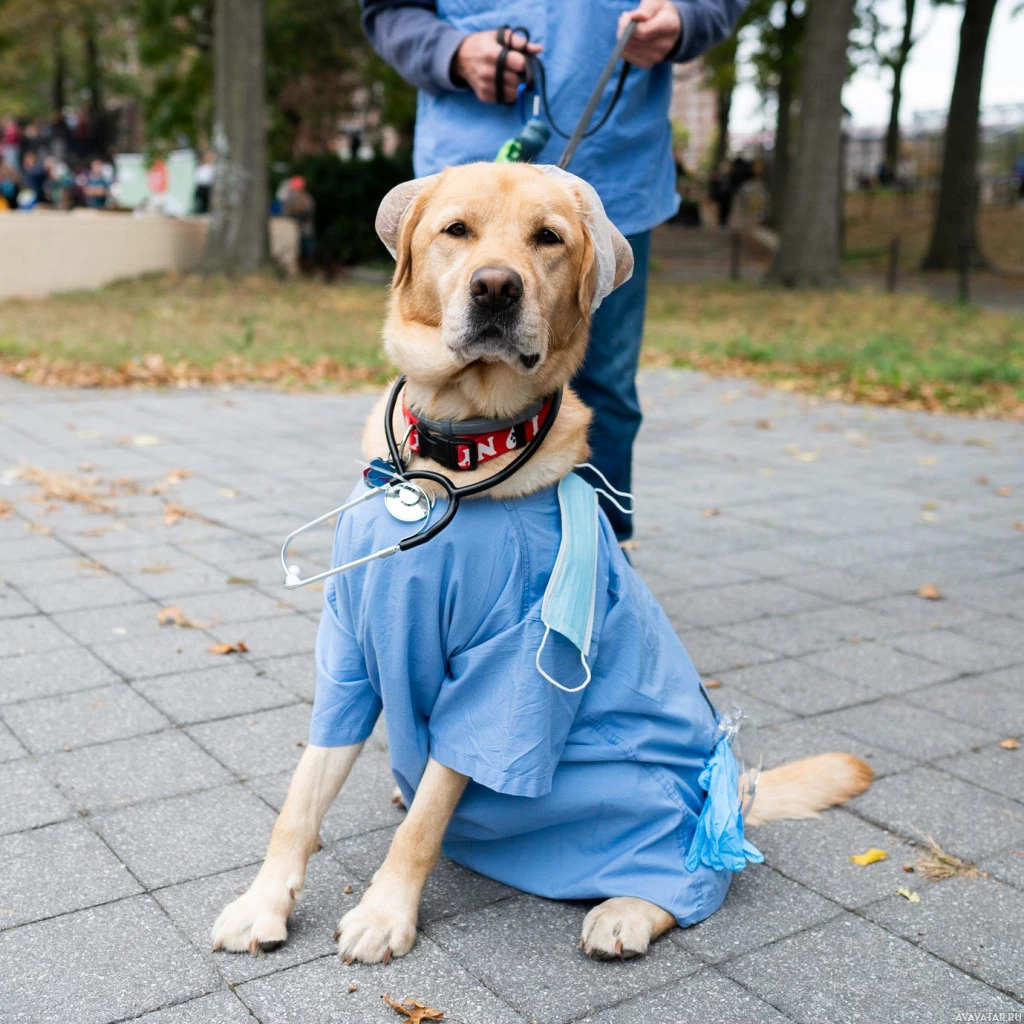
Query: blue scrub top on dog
[{"x": 572, "y": 795}]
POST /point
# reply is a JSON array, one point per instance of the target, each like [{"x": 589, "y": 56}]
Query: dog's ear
[
  {"x": 623, "y": 258},
  {"x": 397, "y": 216}
]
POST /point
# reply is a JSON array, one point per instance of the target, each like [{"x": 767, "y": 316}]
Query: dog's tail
[{"x": 802, "y": 788}]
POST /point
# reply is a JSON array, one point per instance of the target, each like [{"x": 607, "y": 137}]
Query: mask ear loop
[
  {"x": 599, "y": 490},
  {"x": 555, "y": 682}
]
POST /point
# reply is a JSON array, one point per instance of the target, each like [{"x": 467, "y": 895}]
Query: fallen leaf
[
  {"x": 91, "y": 565},
  {"x": 929, "y": 517},
  {"x": 981, "y": 480},
  {"x": 146, "y": 440},
  {"x": 239, "y": 580},
  {"x": 98, "y": 531},
  {"x": 937, "y": 865},
  {"x": 801, "y": 455},
  {"x": 175, "y": 476},
  {"x": 6, "y": 509},
  {"x": 1009, "y": 743},
  {"x": 763, "y": 424},
  {"x": 766, "y": 471},
  {"x": 930, "y": 506},
  {"x": 228, "y": 492},
  {"x": 156, "y": 568},
  {"x": 174, "y": 512},
  {"x": 908, "y": 894},
  {"x": 353, "y": 987},
  {"x": 870, "y": 856},
  {"x": 629, "y": 545},
  {"x": 347, "y": 890},
  {"x": 927, "y": 460},
  {"x": 226, "y": 648},
  {"x": 43, "y": 531},
  {"x": 87, "y": 435},
  {"x": 1004, "y": 492},
  {"x": 415, "y": 1011},
  {"x": 712, "y": 684},
  {"x": 707, "y": 513},
  {"x": 929, "y": 592},
  {"x": 1019, "y": 525}
]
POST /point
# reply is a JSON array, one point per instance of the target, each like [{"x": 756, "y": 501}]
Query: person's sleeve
[
  {"x": 414, "y": 41},
  {"x": 346, "y": 706},
  {"x": 705, "y": 24}
]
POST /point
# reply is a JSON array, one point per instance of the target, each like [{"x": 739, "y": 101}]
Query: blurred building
[{"x": 694, "y": 111}]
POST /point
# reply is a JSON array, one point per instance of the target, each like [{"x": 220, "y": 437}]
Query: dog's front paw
[
  {"x": 382, "y": 926},
  {"x": 620, "y": 928},
  {"x": 257, "y": 921}
]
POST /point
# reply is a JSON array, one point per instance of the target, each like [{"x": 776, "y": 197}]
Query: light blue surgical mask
[{"x": 571, "y": 594}]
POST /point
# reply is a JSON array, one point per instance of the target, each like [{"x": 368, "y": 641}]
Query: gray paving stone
[
  {"x": 60, "y": 868},
  {"x": 1005, "y": 632},
  {"x": 911, "y": 613},
  {"x": 813, "y": 631},
  {"x": 840, "y": 585},
  {"x": 976, "y": 924},
  {"x": 168, "y": 651},
  {"x": 799, "y": 688},
  {"x": 879, "y": 667},
  {"x": 127, "y": 771},
  {"x": 965, "y": 820},
  {"x": 708, "y": 609},
  {"x": 257, "y": 744},
  {"x": 906, "y": 729},
  {"x": 991, "y": 701},
  {"x": 76, "y": 719},
  {"x": 363, "y": 805},
  {"x": 713, "y": 652},
  {"x": 295, "y": 672},
  {"x": 816, "y": 853},
  {"x": 991, "y": 767},
  {"x": 186, "y": 837},
  {"x": 450, "y": 890},
  {"x": 10, "y": 748},
  {"x": 799, "y": 738},
  {"x": 194, "y": 906},
  {"x": 219, "y": 1008},
  {"x": 290, "y": 634},
  {"x": 232, "y": 688},
  {"x": 30, "y": 799},
  {"x": 761, "y": 712},
  {"x": 70, "y": 595},
  {"x": 531, "y": 948},
  {"x": 29, "y": 635},
  {"x": 12, "y": 604},
  {"x": 956, "y": 651},
  {"x": 1007, "y": 866},
  {"x": 894, "y": 981},
  {"x": 98, "y": 965},
  {"x": 318, "y": 992},
  {"x": 762, "y": 906},
  {"x": 706, "y": 996},
  {"x": 125, "y": 623},
  {"x": 47, "y": 673},
  {"x": 236, "y": 604}
]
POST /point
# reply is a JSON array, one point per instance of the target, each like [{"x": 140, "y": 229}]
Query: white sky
[{"x": 928, "y": 78}]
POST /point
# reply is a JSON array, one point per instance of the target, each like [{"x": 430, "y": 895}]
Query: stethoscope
[{"x": 407, "y": 501}]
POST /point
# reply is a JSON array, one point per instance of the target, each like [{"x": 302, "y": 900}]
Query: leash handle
[{"x": 595, "y": 97}]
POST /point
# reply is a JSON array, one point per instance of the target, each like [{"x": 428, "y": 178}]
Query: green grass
[{"x": 862, "y": 345}]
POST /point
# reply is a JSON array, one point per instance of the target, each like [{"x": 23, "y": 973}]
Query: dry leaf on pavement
[
  {"x": 937, "y": 865},
  {"x": 1019, "y": 525},
  {"x": 172, "y": 615},
  {"x": 870, "y": 856},
  {"x": 6, "y": 509},
  {"x": 908, "y": 894},
  {"x": 929, "y": 592},
  {"x": 146, "y": 440},
  {"x": 1009, "y": 743},
  {"x": 707, "y": 513},
  {"x": 226, "y": 648},
  {"x": 712, "y": 684},
  {"x": 174, "y": 512},
  {"x": 415, "y": 1011},
  {"x": 240, "y": 580},
  {"x": 175, "y": 476},
  {"x": 43, "y": 531},
  {"x": 1004, "y": 492}
]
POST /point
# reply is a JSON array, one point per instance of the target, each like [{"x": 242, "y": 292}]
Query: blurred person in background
[
  {"x": 10, "y": 143},
  {"x": 300, "y": 206},
  {"x": 204, "y": 176},
  {"x": 96, "y": 187}
]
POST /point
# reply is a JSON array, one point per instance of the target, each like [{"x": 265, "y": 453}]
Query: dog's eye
[
  {"x": 456, "y": 229},
  {"x": 547, "y": 237}
]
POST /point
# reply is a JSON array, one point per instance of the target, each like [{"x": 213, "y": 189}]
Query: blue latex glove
[{"x": 718, "y": 842}]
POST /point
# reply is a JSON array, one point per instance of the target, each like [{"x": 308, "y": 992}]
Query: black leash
[{"x": 535, "y": 74}]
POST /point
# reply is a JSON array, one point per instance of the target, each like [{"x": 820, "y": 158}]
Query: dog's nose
[{"x": 495, "y": 288}]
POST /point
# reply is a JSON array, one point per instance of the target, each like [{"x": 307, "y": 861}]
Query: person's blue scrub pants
[{"x": 607, "y": 380}]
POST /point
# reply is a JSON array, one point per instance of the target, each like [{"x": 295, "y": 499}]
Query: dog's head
[{"x": 499, "y": 268}]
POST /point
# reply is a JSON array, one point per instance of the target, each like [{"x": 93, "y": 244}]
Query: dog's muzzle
[{"x": 494, "y": 319}]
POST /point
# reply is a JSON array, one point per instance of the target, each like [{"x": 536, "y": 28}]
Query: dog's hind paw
[
  {"x": 257, "y": 922},
  {"x": 376, "y": 930},
  {"x": 622, "y": 927}
]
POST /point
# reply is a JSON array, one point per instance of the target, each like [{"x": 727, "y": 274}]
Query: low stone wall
[{"x": 49, "y": 251}]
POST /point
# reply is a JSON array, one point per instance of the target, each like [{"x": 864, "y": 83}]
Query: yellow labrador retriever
[{"x": 497, "y": 271}]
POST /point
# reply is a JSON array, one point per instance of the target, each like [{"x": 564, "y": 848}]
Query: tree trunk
[
  {"x": 58, "y": 96},
  {"x": 723, "y": 107},
  {"x": 780, "y": 168},
  {"x": 237, "y": 241},
  {"x": 94, "y": 85},
  {"x": 956, "y": 214},
  {"x": 809, "y": 249},
  {"x": 892, "y": 136}
]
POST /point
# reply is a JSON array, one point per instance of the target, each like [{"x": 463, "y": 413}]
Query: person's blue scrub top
[
  {"x": 629, "y": 160},
  {"x": 584, "y": 795}
]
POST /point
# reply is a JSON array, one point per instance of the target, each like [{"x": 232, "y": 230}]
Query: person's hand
[
  {"x": 658, "y": 29},
  {"x": 476, "y": 61}
]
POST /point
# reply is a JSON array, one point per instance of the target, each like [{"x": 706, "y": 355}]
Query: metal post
[
  {"x": 964, "y": 268},
  {"x": 892, "y": 276},
  {"x": 734, "y": 255}
]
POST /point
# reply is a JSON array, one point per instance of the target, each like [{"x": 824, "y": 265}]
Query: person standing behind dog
[{"x": 450, "y": 51}]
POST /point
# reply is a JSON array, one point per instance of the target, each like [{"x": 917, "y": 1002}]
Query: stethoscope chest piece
[{"x": 406, "y": 502}]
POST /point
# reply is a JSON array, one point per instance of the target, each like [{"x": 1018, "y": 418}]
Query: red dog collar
[{"x": 465, "y": 444}]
